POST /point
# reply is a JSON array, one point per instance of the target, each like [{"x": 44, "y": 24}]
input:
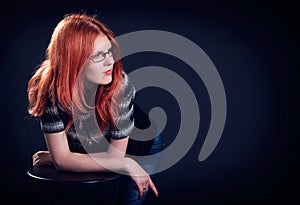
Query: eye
[
  {"x": 102, "y": 55},
  {"x": 98, "y": 54}
]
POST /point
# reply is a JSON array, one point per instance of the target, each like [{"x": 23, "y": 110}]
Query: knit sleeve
[
  {"x": 53, "y": 119},
  {"x": 125, "y": 121}
]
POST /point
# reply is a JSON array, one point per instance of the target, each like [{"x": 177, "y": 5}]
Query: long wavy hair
[{"x": 71, "y": 44}]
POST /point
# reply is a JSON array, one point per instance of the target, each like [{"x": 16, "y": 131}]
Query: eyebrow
[{"x": 102, "y": 51}]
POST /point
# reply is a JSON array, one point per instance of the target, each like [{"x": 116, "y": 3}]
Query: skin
[
  {"x": 114, "y": 158},
  {"x": 94, "y": 73}
]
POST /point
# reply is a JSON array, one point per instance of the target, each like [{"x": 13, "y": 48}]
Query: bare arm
[
  {"x": 63, "y": 159},
  {"x": 112, "y": 160}
]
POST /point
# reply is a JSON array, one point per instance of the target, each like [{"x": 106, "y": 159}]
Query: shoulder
[
  {"x": 53, "y": 107},
  {"x": 54, "y": 118}
]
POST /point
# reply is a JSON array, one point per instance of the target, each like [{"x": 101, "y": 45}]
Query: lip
[{"x": 108, "y": 72}]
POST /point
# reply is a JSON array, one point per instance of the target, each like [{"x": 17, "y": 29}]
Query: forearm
[
  {"x": 63, "y": 159},
  {"x": 78, "y": 162}
]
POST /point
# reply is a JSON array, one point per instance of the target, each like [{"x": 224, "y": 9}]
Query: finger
[
  {"x": 153, "y": 187},
  {"x": 141, "y": 192},
  {"x": 145, "y": 187},
  {"x": 36, "y": 163},
  {"x": 146, "y": 182}
]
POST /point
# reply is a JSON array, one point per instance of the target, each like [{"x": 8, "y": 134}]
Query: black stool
[{"x": 49, "y": 186}]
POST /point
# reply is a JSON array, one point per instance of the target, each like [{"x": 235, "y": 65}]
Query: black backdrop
[{"x": 253, "y": 45}]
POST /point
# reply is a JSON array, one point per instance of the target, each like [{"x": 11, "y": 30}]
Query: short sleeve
[
  {"x": 125, "y": 121},
  {"x": 52, "y": 120}
]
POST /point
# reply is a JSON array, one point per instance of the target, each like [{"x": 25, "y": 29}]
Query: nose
[{"x": 109, "y": 60}]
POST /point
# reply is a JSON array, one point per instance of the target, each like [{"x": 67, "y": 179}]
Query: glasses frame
[{"x": 109, "y": 53}]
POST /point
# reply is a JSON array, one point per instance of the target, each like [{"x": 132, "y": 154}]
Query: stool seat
[
  {"x": 76, "y": 188},
  {"x": 49, "y": 173}
]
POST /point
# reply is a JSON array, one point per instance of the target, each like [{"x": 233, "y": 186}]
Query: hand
[
  {"x": 140, "y": 177},
  {"x": 41, "y": 158}
]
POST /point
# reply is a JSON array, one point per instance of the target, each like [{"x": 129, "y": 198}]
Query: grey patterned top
[{"x": 84, "y": 135}]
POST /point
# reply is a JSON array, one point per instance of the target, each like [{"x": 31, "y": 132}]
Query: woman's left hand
[
  {"x": 140, "y": 177},
  {"x": 41, "y": 158}
]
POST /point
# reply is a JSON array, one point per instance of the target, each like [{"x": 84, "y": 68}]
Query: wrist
[{"x": 128, "y": 163}]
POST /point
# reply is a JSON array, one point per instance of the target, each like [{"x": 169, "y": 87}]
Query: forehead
[{"x": 101, "y": 43}]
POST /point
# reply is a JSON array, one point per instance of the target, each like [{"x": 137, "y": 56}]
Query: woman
[{"x": 80, "y": 84}]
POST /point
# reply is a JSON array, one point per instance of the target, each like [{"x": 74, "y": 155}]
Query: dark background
[{"x": 253, "y": 44}]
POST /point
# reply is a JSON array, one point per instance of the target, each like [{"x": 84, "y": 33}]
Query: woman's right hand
[
  {"x": 41, "y": 158},
  {"x": 140, "y": 177}
]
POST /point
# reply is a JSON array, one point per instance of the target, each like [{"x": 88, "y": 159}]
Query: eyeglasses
[{"x": 100, "y": 56}]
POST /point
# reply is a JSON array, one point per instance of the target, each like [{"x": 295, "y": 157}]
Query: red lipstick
[{"x": 108, "y": 72}]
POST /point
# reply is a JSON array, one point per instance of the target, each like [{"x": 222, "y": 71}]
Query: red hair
[{"x": 71, "y": 44}]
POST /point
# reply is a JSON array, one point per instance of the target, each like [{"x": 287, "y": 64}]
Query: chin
[{"x": 106, "y": 81}]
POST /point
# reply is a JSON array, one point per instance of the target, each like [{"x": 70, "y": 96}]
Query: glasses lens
[{"x": 101, "y": 56}]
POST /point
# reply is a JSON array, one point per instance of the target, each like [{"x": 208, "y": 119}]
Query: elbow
[
  {"x": 59, "y": 166},
  {"x": 60, "y": 163}
]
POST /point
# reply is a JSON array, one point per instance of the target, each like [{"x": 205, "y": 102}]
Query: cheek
[{"x": 94, "y": 72}]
